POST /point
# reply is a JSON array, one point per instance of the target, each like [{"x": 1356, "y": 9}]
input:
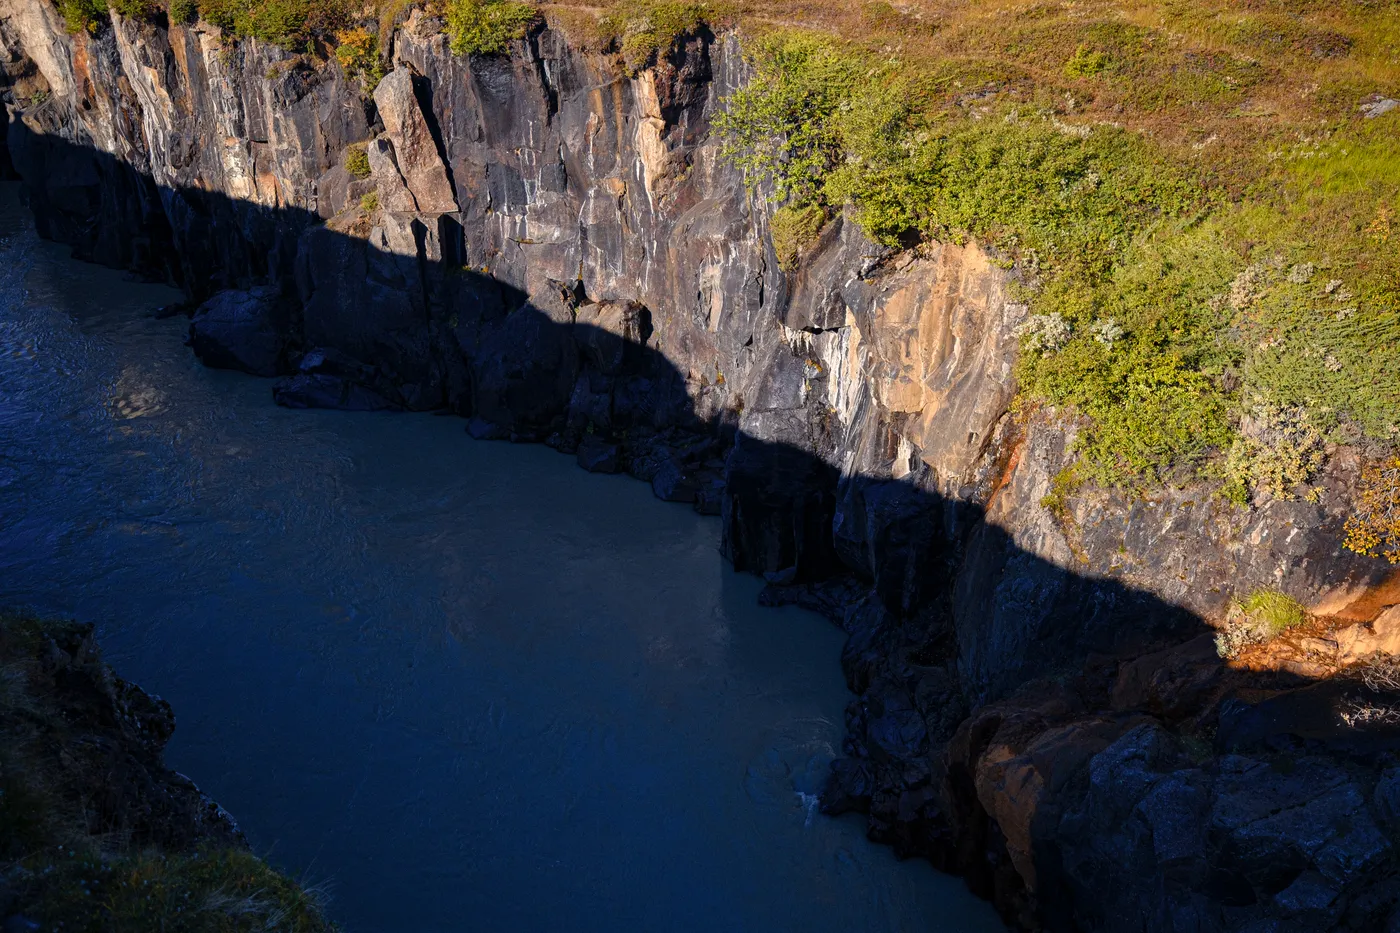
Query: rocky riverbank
[
  {"x": 549, "y": 243},
  {"x": 95, "y": 832}
]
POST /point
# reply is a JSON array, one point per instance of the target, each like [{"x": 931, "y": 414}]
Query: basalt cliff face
[{"x": 555, "y": 249}]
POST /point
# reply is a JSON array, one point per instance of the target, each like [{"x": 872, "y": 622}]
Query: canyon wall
[{"x": 555, "y": 249}]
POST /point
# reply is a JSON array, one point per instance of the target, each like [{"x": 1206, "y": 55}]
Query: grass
[
  {"x": 1259, "y": 618},
  {"x": 79, "y": 845}
]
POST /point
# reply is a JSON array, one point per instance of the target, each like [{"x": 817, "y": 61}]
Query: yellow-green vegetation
[
  {"x": 357, "y": 50},
  {"x": 357, "y": 161},
  {"x": 487, "y": 27},
  {"x": 82, "y": 844},
  {"x": 369, "y": 203},
  {"x": 1373, "y": 528},
  {"x": 794, "y": 229},
  {"x": 1201, "y": 209},
  {"x": 208, "y": 891},
  {"x": 649, "y": 28},
  {"x": 1261, "y": 617}
]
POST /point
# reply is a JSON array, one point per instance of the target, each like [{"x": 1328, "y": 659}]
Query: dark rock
[
  {"x": 599, "y": 456},
  {"x": 319, "y": 390},
  {"x": 245, "y": 330},
  {"x": 482, "y": 430},
  {"x": 672, "y": 484}
]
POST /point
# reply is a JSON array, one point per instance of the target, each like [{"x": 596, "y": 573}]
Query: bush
[
  {"x": 357, "y": 51},
  {"x": 183, "y": 12},
  {"x": 487, "y": 27},
  {"x": 648, "y": 28},
  {"x": 794, "y": 229},
  {"x": 82, "y": 15},
  {"x": 1277, "y": 450},
  {"x": 369, "y": 203},
  {"x": 1373, "y": 529},
  {"x": 357, "y": 161},
  {"x": 289, "y": 24},
  {"x": 1085, "y": 63}
]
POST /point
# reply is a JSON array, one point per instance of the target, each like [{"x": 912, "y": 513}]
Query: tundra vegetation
[{"x": 1201, "y": 198}]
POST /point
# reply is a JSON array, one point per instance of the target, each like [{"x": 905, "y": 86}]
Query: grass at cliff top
[{"x": 1208, "y": 224}]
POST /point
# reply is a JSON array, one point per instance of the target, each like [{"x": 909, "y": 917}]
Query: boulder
[
  {"x": 1360, "y": 641},
  {"x": 415, "y": 151},
  {"x": 243, "y": 330}
]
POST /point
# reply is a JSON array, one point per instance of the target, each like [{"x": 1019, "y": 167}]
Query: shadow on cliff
[{"x": 959, "y": 641}]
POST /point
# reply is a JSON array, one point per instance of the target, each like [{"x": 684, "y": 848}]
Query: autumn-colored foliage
[{"x": 1374, "y": 528}]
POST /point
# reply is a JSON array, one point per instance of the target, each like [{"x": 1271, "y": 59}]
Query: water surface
[{"x": 465, "y": 685}]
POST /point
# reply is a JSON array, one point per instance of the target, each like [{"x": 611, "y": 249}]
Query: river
[{"x": 463, "y": 685}]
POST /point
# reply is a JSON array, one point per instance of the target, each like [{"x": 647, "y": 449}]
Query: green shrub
[
  {"x": 649, "y": 28},
  {"x": 289, "y": 24},
  {"x": 357, "y": 160},
  {"x": 780, "y": 128},
  {"x": 82, "y": 15},
  {"x": 183, "y": 12},
  {"x": 136, "y": 9},
  {"x": 487, "y": 27},
  {"x": 369, "y": 203},
  {"x": 1277, "y": 450},
  {"x": 1085, "y": 63},
  {"x": 794, "y": 229}
]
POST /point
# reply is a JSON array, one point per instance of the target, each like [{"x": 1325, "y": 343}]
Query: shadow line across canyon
[{"x": 909, "y": 574}]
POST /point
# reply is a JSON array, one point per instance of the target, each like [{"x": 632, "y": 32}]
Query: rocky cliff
[{"x": 552, "y": 246}]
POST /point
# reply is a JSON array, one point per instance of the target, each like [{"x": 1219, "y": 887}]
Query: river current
[{"x": 463, "y": 685}]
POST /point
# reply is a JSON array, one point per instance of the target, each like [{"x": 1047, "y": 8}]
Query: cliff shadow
[{"x": 1004, "y": 703}]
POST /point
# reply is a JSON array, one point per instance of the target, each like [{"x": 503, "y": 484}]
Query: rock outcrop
[{"x": 554, "y": 248}]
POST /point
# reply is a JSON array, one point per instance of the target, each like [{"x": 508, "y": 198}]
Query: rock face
[{"x": 554, "y": 249}]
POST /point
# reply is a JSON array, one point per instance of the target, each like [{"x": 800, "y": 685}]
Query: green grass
[{"x": 1274, "y": 611}]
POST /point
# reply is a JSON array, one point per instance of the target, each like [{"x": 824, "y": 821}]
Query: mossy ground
[{"x": 82, "y": 846}]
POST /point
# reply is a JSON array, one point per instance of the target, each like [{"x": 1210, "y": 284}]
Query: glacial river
[{"x": 462, "y": 685}]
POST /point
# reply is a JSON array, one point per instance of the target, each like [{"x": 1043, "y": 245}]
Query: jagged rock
[
  {"x": 415, "y": 155},
  {"x": 599, "y": 456},
  {"x": 245, "y": 330},
  {"x": 671, "y": 483},
  {"x": 327, "y": 378}
]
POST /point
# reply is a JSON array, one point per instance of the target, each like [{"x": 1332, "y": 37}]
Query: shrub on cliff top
[
  {"x": 487, "y": 27},
  {"x": 1192, "y": 262},
  {"x": 649, "y": 28},
  {"x": 357, "y": 160}
]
